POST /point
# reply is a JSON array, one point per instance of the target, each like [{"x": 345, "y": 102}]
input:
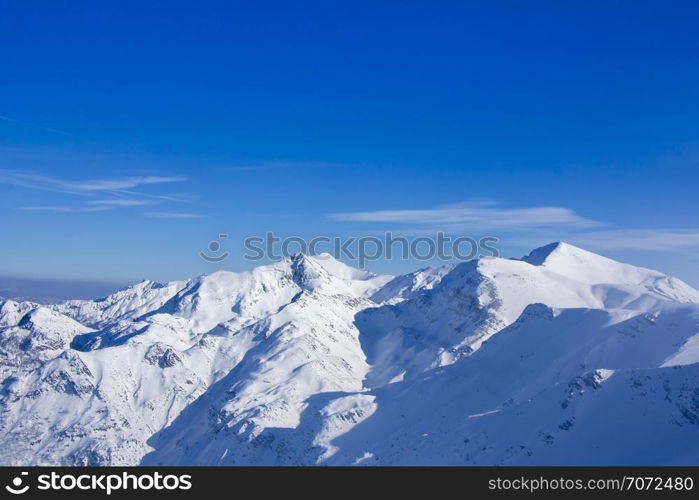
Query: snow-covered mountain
[{"x": 561, "y": 357}]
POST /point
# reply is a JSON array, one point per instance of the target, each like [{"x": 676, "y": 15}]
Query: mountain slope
[
  {"x": 572, "y": 386},
  {"x": 477, "y": 299},
  {"x": 286, "y": 329},
  {"x": 563, "y": 356}
]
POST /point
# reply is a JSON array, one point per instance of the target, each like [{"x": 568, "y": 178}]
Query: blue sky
[{"x": 131, "y": 135}]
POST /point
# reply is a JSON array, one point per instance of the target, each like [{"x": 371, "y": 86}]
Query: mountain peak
[
  {"x": 540, "y": 256},
  {"x": 588, "y": 267},
  {"x": 326, "y": 264},
  {"x": 296, "y": 257}
]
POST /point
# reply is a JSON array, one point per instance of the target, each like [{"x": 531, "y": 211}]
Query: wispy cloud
[
  {"x": 37, "y": 181},
  {"x": 178, "y": 197},
  {"x": 57, "y": 209},
  {"x": 531, "y": 226},
  {"x": 282, "y": 165},
  {"x": 173, "y": 215},
  {"x": 639, "y": 239},
  {"x": 106, "y": 194},
  {"x": 116, "y": 184},
  {"x": 481, "y": 215},
  {"x": 34, "y": 181},
  {"x": 120, "y": 202},
  {"x": 36, "y": 126}
]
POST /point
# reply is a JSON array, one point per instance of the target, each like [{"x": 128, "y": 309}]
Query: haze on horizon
[{"x": 128, "y": 143}]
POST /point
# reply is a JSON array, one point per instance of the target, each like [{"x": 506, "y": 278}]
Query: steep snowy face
[
  {"x": 306, "y": 347},
  {"x": 38, "y": 335},
  {"x": 11, "y": 312},
  {"x": 124, "y": 305},
  {"x": 309, "y": 348},
  {"x": 557, "y": 387},
  {"x": 410, "y": 285},
  {"x": 308, "y": 361},
  {"x": 268, "y": 339},
  {"x": 451, "y": 318}
]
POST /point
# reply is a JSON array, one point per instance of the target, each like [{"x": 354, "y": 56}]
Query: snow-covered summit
[
  {"x": 587, "y": 267},
  {"x": 583, "y": 266}
]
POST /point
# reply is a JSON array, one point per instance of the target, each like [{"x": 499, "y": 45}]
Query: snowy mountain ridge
[{"x": 561, "y": 357}]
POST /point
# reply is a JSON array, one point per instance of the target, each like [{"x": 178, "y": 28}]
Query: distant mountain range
[
  {"x": 562, "y": 357},
  {"x": 48, "y": 291}
]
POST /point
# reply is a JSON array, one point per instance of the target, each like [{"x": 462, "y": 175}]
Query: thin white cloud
[
  {"x": 57, "y": 209},
  {"x": 120, "y": 202},
  {"x": 283, "y": 165},
  {"x": 173, "y": 215},
  {"x": 107, "y": 193},
  {"x": 531, "y": 226},
  {"x": 34, "y": 125},
  {"x": 37, "y": 181},
  {"x": 47, "y": 208},
  {"x": 124, "y": 183},
  {"x": 639, "y": 239},
  {"x": 475, "y": 216},
  {"x": 33, "y": 181},
  {"x": 176, "y": 197}
]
